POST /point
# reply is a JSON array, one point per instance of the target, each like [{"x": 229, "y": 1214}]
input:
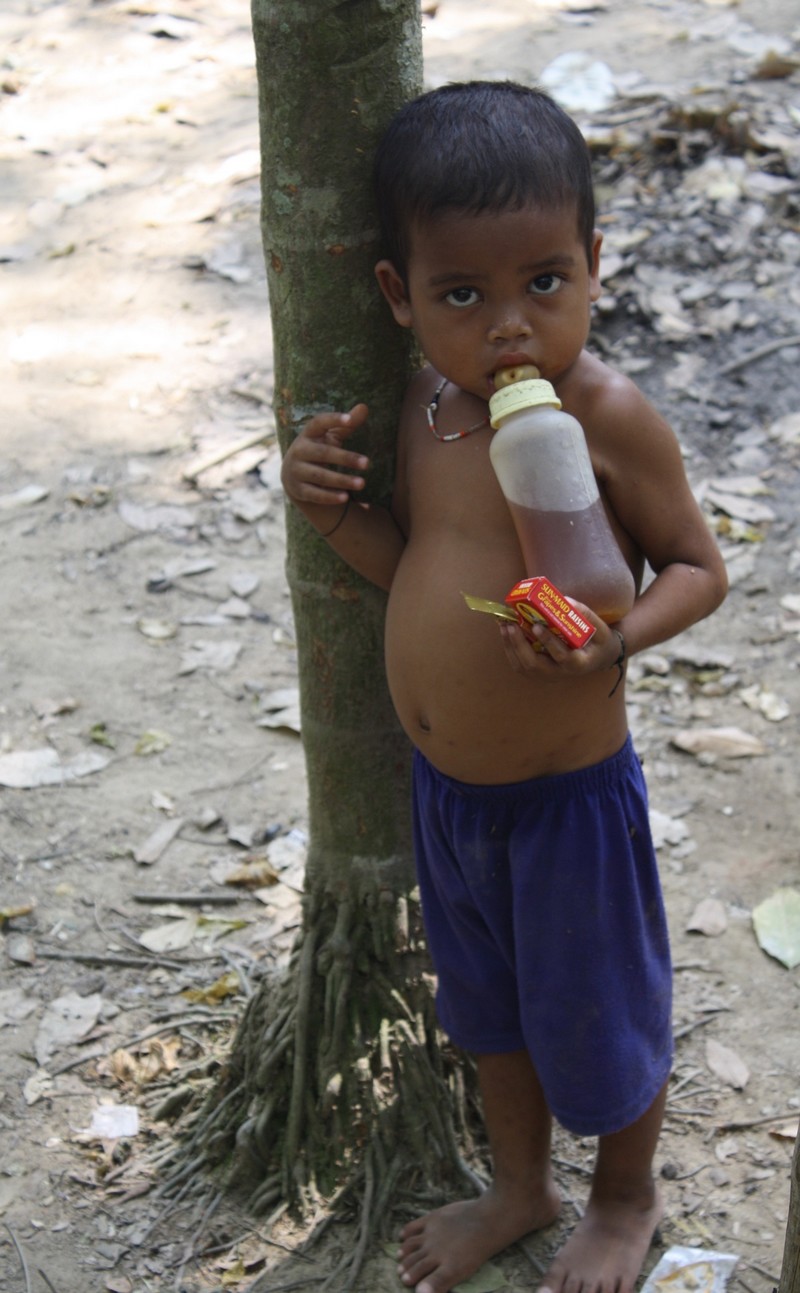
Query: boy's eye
[
  {"x": 546, "y": 284},
  {"x": 462, "y": 296}
]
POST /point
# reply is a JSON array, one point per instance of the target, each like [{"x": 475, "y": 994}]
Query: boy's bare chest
[{"x": 454, "y": 481}]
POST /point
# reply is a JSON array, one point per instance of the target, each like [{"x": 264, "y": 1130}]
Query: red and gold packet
[{"x": 537, "y": 601}]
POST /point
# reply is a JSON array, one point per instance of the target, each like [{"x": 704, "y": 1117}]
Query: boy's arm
[
  {"x": 649, "y": 492},
  {"x": 321, "y": 477}
]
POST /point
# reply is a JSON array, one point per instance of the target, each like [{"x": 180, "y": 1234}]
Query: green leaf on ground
[{"x": 776, "y": 921}]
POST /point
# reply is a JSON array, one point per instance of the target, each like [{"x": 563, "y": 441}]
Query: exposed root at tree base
[{"x": 340, "y": 1092}]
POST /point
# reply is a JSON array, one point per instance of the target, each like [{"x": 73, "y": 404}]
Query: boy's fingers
[{"x": 343, "y": 424}]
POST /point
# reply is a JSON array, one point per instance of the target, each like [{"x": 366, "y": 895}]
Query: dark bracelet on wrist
[
  {"x": 327, "y": 534},
  {"x": 619, "y": 663}
]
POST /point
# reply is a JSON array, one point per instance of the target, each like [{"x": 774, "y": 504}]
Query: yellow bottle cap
[{"x": 521, "y": 395}]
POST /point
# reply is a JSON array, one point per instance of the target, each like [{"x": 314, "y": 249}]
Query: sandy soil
[{"x": 148, "y": 663}]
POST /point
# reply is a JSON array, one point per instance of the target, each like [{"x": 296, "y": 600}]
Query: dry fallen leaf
[
  {"x": 66, "y": 1021},
  {"x": 740, "y": 506},
  {"x": 172, "y": 937},
  {"x": 254, "y": 874},
  {"x": 281, "y": 709},
  {"x": 709, "y": 917},
  {"x": 20, "y": 948},
  {"x": 768, "y": 703},
  {"x": 786, "y": 1131},
  {"x": 152, "y": 742},
  {"x": 157, "y": 630},
  {"x": 16, "y": 1005},
  {"x": 11, "y": 913},
  {"x": 218, "y": 657},
  {"x": 156, "y": 1057},
  {"x": 724, "y": 742},
  {"x": 118, "y": 1284},
  {"x": 23, "y": 497},
  {"x": 726, "y": 1064},
  {"x": 158, "y": 842},
  {"x": 666, "y": 829},
  {"x": 26, "y": 769},
  {"x": 227, "y": 985}
]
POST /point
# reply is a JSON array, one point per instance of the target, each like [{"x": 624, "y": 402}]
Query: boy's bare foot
[
  {"x": 445, "y": 1247},
  {"x": 606, "y": 1251}
]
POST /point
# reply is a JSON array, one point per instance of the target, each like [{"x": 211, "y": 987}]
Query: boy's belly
[{"x": 457, "y": 696}]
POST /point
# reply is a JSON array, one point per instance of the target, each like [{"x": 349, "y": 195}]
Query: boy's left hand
[{"x": 599, "y": 655}]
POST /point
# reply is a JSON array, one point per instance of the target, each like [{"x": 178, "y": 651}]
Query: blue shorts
[{"x": 545, "y": 921}]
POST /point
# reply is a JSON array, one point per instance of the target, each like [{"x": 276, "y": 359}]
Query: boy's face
[{"x": 494, "y": 291}]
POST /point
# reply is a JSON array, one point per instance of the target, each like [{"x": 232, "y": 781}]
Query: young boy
[{"x": 538, "y": 879}]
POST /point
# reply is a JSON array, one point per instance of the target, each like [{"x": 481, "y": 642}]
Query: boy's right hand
[{"x": 317, "y": 469}]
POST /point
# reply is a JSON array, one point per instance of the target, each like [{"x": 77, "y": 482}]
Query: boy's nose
[{"x": 508, "y": 326}]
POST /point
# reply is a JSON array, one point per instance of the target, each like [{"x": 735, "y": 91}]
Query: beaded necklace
[{"x": 433, "y": 408}]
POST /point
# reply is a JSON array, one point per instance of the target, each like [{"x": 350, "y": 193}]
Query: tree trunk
[
  {"x": 337, "y": 1081},
  {"x": 790, "y": 1270}
]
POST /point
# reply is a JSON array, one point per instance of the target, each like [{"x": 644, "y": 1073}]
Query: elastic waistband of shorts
[{"x": 598, "y": 777}]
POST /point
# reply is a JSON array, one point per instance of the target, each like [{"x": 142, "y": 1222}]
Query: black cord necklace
[{"x": 433, "y": 408}]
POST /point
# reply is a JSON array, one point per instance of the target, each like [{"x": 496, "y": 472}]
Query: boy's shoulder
[{"x": 601, "y": 396}]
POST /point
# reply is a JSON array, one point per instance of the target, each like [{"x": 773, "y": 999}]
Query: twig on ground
[
  {"x": 532, "y": 1258},
  {"x": 47, "y": 1280},
  {"x": 177, "y": 1021},
  {"x": 96, "y": 1053},
  {"x": 740, "y": 1279},
  {"x": 190, "y": 1250},
  {"x": 573, "y": 1167},
  {"x": 699, "y": 1023},
  {"x": 239, "y": 971},
  {"x": 237, "y": 781},
  {"x": 21, "y": 1256},
  {"x": 761, "y": 352},
  {"x": 135, "y": 1192},
  {"x": 265, "y": 438},
  {"x": 275, "y": 1243},
  {"x": 685, "y": 1080},
  {"x": 685, "y": 1095},
  {"x": 116, "y": 958},
  {"x": 190, "y": 899},
  {"x": 688, "y": 1113},
  {"x": 752, "y": 1122},
  {"x": 768, "y": 1275},
  {"x": 685, "y": 1176},
  {"x": 283, "y": 1288}
]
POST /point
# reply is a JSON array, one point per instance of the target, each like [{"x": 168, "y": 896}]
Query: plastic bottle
[{"x": 542, "y": 463}]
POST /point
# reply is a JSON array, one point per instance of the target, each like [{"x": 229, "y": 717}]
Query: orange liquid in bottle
[{"x": 578, "y": 553}]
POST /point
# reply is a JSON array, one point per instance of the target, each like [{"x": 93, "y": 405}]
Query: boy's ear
[
  {"x": 595, "y": 286},
  {"x": 394, "y": 289}
]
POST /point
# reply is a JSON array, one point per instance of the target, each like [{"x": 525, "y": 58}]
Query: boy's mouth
[{"x": 513, "y": 368}]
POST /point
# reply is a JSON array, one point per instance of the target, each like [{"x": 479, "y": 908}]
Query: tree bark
[
  {"x": 790, "y": 1270},
  {"x": 337, "y": 1081}
]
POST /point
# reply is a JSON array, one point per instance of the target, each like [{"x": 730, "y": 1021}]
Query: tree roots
[{"x": 338, "y": 1084}]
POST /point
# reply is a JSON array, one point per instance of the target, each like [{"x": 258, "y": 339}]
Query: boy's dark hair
[{"x": 479, "y": 146}]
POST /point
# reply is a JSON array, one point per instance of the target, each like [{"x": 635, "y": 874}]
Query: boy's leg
[
  {"x": 445, "y": 1247},
  {"x": 606, "y": 1251}
]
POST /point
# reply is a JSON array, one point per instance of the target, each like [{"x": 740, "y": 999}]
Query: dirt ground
[{"x": 147, "y": 738}]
